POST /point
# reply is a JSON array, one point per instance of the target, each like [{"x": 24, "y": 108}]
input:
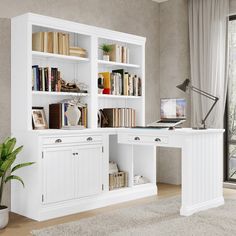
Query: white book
[{"x": 127, "y": 55}]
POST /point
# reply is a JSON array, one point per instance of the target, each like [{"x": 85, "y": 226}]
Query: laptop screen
[{"x": 173, "y": 108}]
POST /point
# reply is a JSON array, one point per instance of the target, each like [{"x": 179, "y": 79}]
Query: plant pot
[
  {"x": 106, "y": 58},
  {"x": 4, "y": 216}
]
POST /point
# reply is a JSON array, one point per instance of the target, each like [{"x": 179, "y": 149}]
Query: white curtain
[{"x": 207, "y": 34}]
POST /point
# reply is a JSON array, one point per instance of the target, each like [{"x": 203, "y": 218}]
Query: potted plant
[
  {"x": 8, "y": 154},
  {"x": 106, "y": 48}
]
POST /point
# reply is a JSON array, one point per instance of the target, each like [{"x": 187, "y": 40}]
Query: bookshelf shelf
[
  {"x": 42, "y": 93},
  {"x": 118, "y": 96},
  {"x": 113, "y": 63},
  {"x": 58, "y": 56}
]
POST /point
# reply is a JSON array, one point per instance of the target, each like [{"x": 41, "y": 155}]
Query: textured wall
[
  {"x": 140, "y": 17},
  {"x": 232, "y": 6},
  {"x": 5, "y": 84},
  {"x": 174, "y": 68}
]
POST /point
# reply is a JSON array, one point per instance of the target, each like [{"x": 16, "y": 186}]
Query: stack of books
[
  {"x": 46, "y": 79},
  {"x": 77, "y": 51},
  {"x": 119, "y": 53},
  {"x": 58, "y": 118},
  {"x": 119, "y": 117},
  {"x": 120, "y": 82}
]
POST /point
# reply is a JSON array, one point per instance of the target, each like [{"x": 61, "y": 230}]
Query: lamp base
[{"x": 199, "y": 128}]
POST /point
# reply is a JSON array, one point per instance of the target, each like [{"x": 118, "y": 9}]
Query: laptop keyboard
[{"x": 168, "y": 121}]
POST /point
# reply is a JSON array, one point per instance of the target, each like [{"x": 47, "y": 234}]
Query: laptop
[{"x": 173, "y": 113}]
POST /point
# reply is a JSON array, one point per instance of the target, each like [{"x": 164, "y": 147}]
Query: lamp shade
[{"x": 184, "y": 85}]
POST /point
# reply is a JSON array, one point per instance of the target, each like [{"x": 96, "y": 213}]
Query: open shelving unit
[{"x": 75, "y": 69}]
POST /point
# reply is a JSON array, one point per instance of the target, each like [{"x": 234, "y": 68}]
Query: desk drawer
[
  {"x": 72, "y": 139},
  {"x": 143, "y": 139}
]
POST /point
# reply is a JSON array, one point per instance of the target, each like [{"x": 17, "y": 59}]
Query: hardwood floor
[{"x": 22, "y": 226}]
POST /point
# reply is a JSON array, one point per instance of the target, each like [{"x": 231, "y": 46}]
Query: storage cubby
[
  {"x": 144, "y": 162},
  {"x": 135, "y": 50},
  {"x": 122, "y": 155}
]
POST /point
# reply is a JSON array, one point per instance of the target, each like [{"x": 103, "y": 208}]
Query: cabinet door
[
  {"x": 58, "y": 174},
  {"x": 89, "y": 170}
]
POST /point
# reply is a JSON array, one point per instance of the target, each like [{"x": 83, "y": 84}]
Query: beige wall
[
  {"x": 232, "y": 6},
  {"x": 174, "y": 69},
  {"x": 5, "y": 84},
  {"x": 140, "y": 17}
]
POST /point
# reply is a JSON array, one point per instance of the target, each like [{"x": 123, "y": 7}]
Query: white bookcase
[
  {"x": 72, "y": 68},
  {"x": 66, "y": 153}
]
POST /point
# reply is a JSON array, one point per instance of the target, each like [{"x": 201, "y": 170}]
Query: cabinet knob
[
  {"x": 157, "y": 139},
  {"x": 89, "y": 139},
  {"x": 136, "y": 138},
  {"x": 58, "y": 140}
]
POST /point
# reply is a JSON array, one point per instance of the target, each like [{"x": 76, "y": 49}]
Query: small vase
[
  {"x": 106, "y": 58},
  {"x": 73, "y": 115},
  {"x": 4, "y": 216}
]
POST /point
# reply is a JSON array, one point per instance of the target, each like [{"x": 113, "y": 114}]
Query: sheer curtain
[{"x": 207, "y": 34}]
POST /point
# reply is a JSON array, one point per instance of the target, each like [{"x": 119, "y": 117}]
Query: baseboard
[
  {"x": 229, "y": 185},
  {"x": 187, "y": 211},
  {"x": 98, "y": 201}
]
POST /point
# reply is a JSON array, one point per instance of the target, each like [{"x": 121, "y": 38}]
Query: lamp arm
[
  {"x": 208, "y": 95},
  {"x": 208, "y": 113}
]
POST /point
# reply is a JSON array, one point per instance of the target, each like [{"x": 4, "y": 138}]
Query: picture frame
[{"x": 39, "y": 118}]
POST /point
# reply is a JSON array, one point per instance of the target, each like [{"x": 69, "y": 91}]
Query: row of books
[
  {"x": 55, "y": 42},
  {"x": 119, "y": 53},
  {"x": 118, "y": 117},
  {"x": 58, "y": 118},
  {"x": 46, "y": 79},
  {"x": 120, "y": 82}
]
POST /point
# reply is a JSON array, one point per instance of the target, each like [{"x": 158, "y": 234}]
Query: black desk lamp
[{"x": 185, "y": 85}]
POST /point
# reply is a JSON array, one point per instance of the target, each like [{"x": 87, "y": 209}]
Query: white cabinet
[
  {"x": 71, "y": 172},
  {"x": 58, "y": 175},
  {"x": 88, "y": 170}
]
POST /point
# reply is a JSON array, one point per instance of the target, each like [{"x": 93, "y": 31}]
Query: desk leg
[{"x": 202, "y": 172}]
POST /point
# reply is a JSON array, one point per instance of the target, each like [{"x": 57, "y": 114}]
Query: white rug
[{"x": 159, "y": 218}]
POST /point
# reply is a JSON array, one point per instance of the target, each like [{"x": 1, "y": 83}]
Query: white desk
[
  {"x": 202, "y": 162},
  {"x": 134, "y": 150}
]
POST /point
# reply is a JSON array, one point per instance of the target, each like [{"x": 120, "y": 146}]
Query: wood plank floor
[{"x": 22, "y": 226}]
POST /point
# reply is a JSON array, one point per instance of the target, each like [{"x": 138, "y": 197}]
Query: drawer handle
[
  {"x": 157, "y": 139},
  {"x": 58, "y": 140},
  {"x": 89, "y": 139},
  {"x": 136, "y": 138}
]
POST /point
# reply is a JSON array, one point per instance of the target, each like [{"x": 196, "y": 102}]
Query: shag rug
[{"x": 159, "y": 218}]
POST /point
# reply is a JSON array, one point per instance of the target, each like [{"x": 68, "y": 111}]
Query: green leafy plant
[
  {"x": 106, "y": 48},
  {"x": 8, "y": 154}
]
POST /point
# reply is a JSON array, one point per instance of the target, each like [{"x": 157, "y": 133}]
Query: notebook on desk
[{"x": 173, "y": 113}]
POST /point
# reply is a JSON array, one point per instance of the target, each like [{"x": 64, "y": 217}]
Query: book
[
  {"x": 45, "y": 41},
  {"x": 55, "y": 118},
  {"x": 126, "y": 84},
  {"x": 55, "y": 42},
  {"x": 122, "y": 74},
  {"x": 115, "y": 53},
  {"x": 38, "y": 41},
  {"x": 49, "y": 42},
  {"x": 106, "y": 81},
  {"x": 60, "y": 43}
]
